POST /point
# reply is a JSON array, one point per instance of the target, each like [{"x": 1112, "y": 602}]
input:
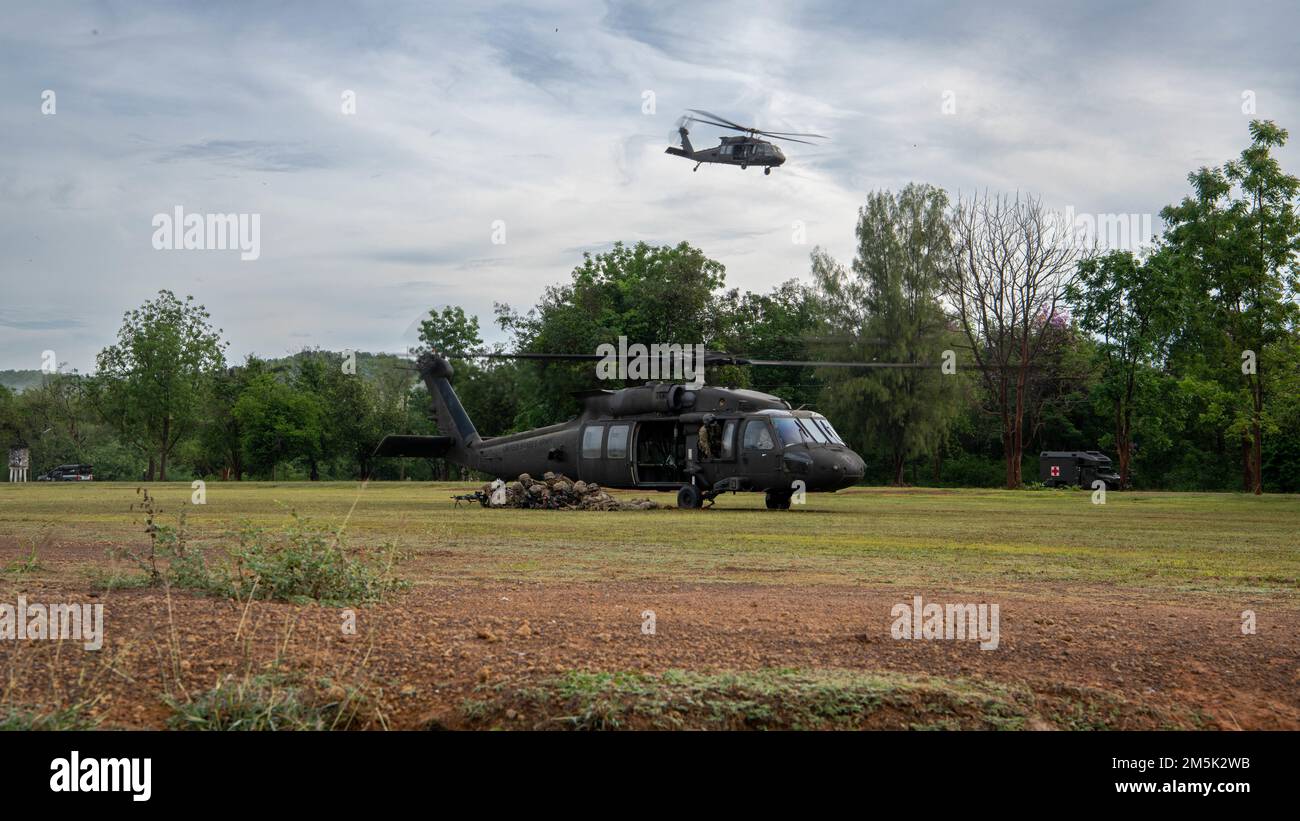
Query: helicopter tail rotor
[{"x": 683, "y": 134}]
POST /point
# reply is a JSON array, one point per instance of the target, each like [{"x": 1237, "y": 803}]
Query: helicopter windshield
[
  {"x": 790, "y": 431},
  {"x": 815, "y": 433},
  {"x": 825, "y": 425}
]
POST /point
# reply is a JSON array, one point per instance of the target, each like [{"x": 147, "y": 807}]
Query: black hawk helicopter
[
  {"x": 702, "y": 440},
  {"x": 743, "y": 151}
]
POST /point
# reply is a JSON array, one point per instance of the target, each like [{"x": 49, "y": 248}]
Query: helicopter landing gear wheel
[
  {"x": 767, "y": 170},
  {"x": 743, "y": 166},
  {"x": 778, "y": 500},
  {"x": 688, "y": 498}
]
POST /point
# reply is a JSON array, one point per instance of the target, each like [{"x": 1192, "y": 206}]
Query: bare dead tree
[{"x": 1012, "y": 260}]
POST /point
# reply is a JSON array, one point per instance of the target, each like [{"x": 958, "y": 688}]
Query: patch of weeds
[
  {"x": 180, "y": 566},
  {"x": 295, "y": 563},
  {"x": 270, "y": 701},
  {"x": 25, "y": 565},
  {"x": 116, "y": 580},
  {"x": 299, "y": 562},
  {"x": 1084, "y": 708},
  {"x": 758, "y": 700},
  {"x": 71, "y": 717}
]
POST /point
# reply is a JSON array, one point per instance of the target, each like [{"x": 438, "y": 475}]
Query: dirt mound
[{"x": 555, "y": 492}]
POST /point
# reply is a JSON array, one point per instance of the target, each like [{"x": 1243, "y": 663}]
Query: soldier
[{"x": 705, "y": 435}]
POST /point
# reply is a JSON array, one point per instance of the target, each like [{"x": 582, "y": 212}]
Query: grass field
[
  {"x": 956, "y": 538},
  {"x": 1122, "y": 615}
]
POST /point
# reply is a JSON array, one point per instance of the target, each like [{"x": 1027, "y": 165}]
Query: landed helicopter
[
  {"x": 743, "y": 151},
  {"x": 702, "y": 440}
]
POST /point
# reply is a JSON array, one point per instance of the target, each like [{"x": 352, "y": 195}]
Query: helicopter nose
[
  {"x": 848, "y": 469},
  {"x": 844, "y": 469}
]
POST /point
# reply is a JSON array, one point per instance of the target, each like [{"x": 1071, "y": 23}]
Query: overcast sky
[{"x": 470, "y": 113}]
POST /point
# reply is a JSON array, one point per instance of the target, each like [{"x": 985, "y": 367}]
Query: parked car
[{"x": 68, "y": 473}]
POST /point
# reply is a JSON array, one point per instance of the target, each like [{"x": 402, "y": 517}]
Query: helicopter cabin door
[
  {"x": 618, "y": 455},
  {"x": 606, "y": 456},
  {"x": 758, "y": 455},
  {"x": 659, "y": 453}
]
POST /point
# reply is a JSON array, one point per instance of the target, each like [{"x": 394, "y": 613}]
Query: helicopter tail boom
[
  {"x": 460, "y": 440},
  {"x": 686, "y": 150},
  {"x": 423, "y": 447}
]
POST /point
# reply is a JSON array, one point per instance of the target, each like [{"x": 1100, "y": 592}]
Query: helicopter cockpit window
[
  {"x": 758, "y": 436},
  {"x": 728, "y": 447},
  {"x": 790, "y": 432},
  {"x": 591, "y": 438}
]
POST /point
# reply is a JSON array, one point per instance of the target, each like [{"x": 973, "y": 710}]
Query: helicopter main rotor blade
[
  {"x": 723, "y": 122},
  {"x": 711, "y": 359},
  {"x": 719, "y": 125},
  {"x": 737, "y": 126},
  {"x": 556, "y": 357},
  {"x": 793, "y": 134},
  {"x": 753, "y": 131},
  {"x": 789, "y": 363}
]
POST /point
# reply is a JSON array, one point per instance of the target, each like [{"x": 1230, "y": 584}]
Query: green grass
[
  {"x": 266, "y": 702},
  {"x": 27, "y": 564},
  {"x": 1217, "y": 543},
  {"x": 71, "y": 717},
  {"x": 791, "y": 700}
]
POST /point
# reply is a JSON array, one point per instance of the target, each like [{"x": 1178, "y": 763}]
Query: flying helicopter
[
  {"x": 700, "y": 439},
  {"x": 744, "y": 151}
]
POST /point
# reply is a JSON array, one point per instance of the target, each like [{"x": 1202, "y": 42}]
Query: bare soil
[{"x": 1167, "y": 659}]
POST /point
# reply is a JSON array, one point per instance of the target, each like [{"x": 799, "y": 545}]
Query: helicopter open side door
[{"x": 660, "y": 453}]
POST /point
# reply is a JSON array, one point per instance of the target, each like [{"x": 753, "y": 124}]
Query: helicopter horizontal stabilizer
[{"x": 424, "y": 447}]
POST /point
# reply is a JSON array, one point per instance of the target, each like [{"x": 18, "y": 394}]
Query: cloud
[
  {"x": 10, "y": 319},
  {"x": 254, "y": 155},
  {"x": 474, "y": 115}
]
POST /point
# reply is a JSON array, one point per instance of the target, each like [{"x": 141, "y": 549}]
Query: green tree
[
  {"x": 780, "y": 324},
  {"x": 649, "y": 294},
  {"x": 151, "y": 383},
  {"x": 278, "y": 423},
  {"x": 1238, "y": 236},
  {"x": 221, "y": 440},
  {"x": 889, "y": 306},
  {"x": 1281, "y": 462},
  {"x": 1132, "y": 307}
]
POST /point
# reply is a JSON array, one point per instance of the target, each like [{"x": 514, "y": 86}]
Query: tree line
[{"x": 1181, "y": 359}]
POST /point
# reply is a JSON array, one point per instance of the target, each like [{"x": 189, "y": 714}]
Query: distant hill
[
  {"x": 369, "y": 367},
  {"x": 19, "y": 381}
]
